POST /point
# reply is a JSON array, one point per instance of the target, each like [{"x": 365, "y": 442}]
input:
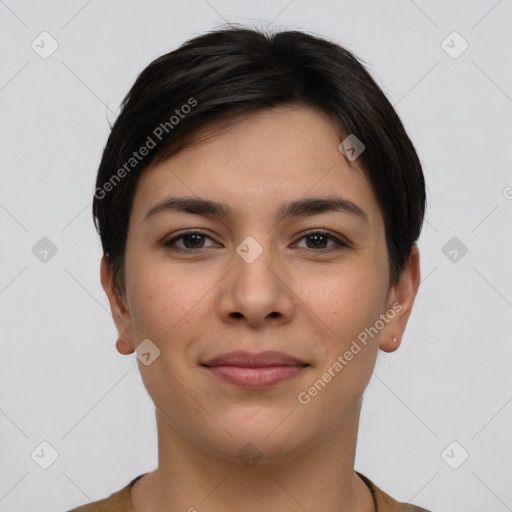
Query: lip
[
  {"x": 254, "y": 360},
  {"x": 255, "y": 371}
]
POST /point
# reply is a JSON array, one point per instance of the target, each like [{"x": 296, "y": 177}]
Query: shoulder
[
  {"x": 118, "y": 501},
  {"x": 385, "y": 503}
]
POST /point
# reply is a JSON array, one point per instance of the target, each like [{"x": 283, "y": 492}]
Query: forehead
[{"x": 268, "y": 158}]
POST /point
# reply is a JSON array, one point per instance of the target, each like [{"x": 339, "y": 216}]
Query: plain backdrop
[{"x": 437, "y": 416}]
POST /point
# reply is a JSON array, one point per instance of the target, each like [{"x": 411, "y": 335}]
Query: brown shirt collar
[{"x": 120, "y": 501}]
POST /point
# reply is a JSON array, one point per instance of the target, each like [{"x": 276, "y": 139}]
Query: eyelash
[{"x": 169, "y": 243}]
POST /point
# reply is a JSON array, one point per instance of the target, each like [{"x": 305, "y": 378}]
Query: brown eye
[
  {"x": 318, "y": 239},
  {"x": 192, "y": 240}
]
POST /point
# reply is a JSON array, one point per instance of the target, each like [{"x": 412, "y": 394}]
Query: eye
[
  {"x": 319, "y": 237},
  {"x": 194, "y": 240}
]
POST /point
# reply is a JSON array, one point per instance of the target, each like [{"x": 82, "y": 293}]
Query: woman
[{"x": 258, "y": 202}]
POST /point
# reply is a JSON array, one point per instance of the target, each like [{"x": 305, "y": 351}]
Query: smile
[{"x": 255, "y": 377}]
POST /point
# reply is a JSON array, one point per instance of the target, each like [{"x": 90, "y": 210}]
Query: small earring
[{"x": 394, "y": 340}]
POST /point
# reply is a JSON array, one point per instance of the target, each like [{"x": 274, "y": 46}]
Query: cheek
[
  {"x": 151, "y": 301},
  {"x": 167, "y": 304},
  {"x": 349, "y": 306},
  {"x": 347, "y": 301}
]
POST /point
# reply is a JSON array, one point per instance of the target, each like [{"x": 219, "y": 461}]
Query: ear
[
  {"x": 400, "y": 300},
  {"x": 120, "y": 313}
]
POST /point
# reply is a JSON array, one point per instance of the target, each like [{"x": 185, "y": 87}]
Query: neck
[{"x": 318, "y": 477}]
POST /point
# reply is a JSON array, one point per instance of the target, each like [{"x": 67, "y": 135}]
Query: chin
[
  {"x": 252, "y": 448},
  {"x": 270, "y": 431}
]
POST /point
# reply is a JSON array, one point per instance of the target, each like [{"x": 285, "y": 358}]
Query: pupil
[
  {"x": 316, "y": 237},
  {"x": 192, "y": 236}
]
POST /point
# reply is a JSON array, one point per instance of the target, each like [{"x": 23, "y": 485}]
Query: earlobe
[
  {"x": 124, "y": 347},
  {"x": 389, "y": 344}
]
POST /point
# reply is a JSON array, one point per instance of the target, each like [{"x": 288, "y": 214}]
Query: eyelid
[
  {"x": 179, "y": 235},
  {"x": 339, "y": 240}
]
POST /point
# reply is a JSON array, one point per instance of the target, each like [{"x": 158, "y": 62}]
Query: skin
[{"x": 310, "y": 301}]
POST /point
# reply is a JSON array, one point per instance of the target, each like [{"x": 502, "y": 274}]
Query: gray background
[{"x": 61, "y": 379}]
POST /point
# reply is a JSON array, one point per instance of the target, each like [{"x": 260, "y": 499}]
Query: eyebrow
[{"x": 299, "y": 208}]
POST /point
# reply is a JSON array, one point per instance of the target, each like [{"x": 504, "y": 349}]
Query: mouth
[{"x": 255, "y": 371}]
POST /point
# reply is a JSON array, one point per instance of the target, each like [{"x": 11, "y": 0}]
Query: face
[{"x": 308, "y": 284}]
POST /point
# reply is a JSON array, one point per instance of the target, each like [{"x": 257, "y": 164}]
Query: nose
[{"x": 258, "y": 287}]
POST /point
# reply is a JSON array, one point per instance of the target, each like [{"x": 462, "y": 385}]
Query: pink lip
[
  {"x": 255, "y": 378},
  {"x": 255, "y": 371},
  {"x": 260, "y": 359}
]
